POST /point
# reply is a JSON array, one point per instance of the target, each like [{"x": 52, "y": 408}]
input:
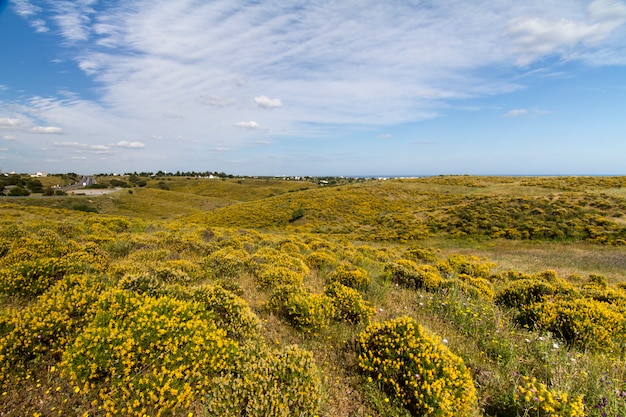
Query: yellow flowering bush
[
  {"x": 523, "y": 292},
  {"x": 280, "y": 383},
  {"x": 584, "y": 323},
  {"x": 474, "y": 287},
  {"x": 419, "y": 254},
  {"x": 144, "y": 355},
  {"x": 598, "y": 288},
  {"x": 470, "y": 265},
  {"x": 49, "y": 324},
  {"x": 91, "y": 256},
  {"x": 320, "y": 259},
  {"x": 226, "y": 262},
  {"x": 349, "y": 275},
  {"x": 537, "y": 399},
  {"x": 306, "y": 312},
  {"x": 45, "y": 244},
  {"x": 171, "y": 275},
  {"x": 416, "y": 368},
  {"x": 411, "y": 275},
  {"x": 144, "y": 283},
  {"x": 271, "y": 276},
  {"x": 267, "y": 257},
  {"x": 349, "y": 305},
  {"x": 230, "y": 312},
  {"x": 33, "y": 277}
]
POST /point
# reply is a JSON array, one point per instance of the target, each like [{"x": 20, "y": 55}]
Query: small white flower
[
  {"x": 527, "y": 340},
  {"x": 555, "y": 345},
  {"x": 445, "y": 341}
]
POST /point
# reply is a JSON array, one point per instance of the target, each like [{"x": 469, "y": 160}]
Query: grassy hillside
[{"x": 438, "y": 296}]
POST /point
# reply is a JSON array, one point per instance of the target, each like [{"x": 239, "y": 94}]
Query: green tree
[
  {"x": 18, "y": 192},
  {"x": 34, "y": 185}
]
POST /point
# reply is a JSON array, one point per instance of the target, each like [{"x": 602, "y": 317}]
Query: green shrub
[
  {"x": 416, "y": 368},
  {"x": 85, "y": 207},
  {"x": 348, "y": 303}
]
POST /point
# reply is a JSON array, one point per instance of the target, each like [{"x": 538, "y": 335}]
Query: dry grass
[{"x": 575, "y": 258}]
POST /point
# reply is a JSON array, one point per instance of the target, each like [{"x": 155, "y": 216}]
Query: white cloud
[
  {"x": 9, "y": 137},
  {"x": 129, "y": 145},
  {"x": 516, "y": 113},
  {"x": 39, "y": 25},
  {"x": 525, "y": 112},
  {"x": 47, "y": 130},
  {"x": 7, "y": 122},
  {"x": 25, "y": 8},
  {"x": 73, "y": 17},
  {"x": 79, "y": 147},
  {"x": 333, "y": 64},
  {"x": 267, "y": 103},
  {"x": 252, "y": 125},
  {"x": 538, "y": 36}
]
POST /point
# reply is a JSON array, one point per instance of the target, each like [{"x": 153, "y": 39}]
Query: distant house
[{"x": 39, "y": 174}]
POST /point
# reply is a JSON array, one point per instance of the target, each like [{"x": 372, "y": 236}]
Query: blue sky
[{"x": 534, "y": 87}]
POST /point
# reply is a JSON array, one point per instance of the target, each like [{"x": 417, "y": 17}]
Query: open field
[{"x": 442, "y": 296}]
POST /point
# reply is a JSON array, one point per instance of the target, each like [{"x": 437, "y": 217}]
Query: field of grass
[{"x": 442, "y": 296}]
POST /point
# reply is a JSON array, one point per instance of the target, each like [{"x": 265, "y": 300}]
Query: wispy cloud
[
  {"x": 516, "y": 113},
  {"x": 538, "y": 36},
  {"x": 216, "y": 101},
  {"x": 203, "y": 75},
  {"x": 525, "y": 112}
]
